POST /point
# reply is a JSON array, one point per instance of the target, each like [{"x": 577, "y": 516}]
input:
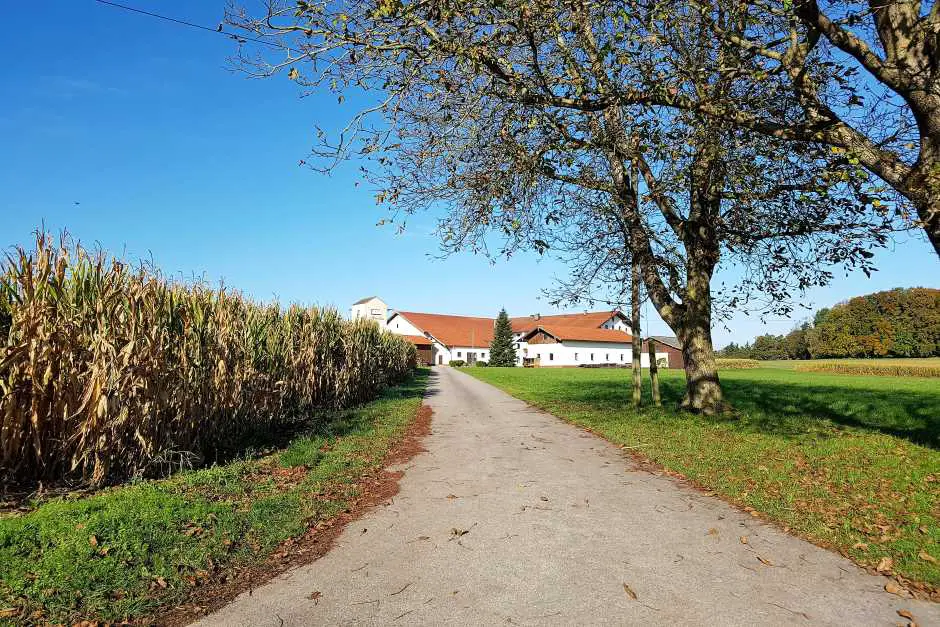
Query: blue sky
[{"x": 170, "y": 155}]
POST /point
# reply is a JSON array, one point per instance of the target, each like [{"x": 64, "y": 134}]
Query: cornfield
[
  {"x": 874, "y": 368},
  {"x": 727, "y": 363},
  {"x": 109, "y": 371}
]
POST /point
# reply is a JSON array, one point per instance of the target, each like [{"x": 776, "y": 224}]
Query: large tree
[
  {"x": 858, "y": 76},
  {"x": 509, "y": 115}
]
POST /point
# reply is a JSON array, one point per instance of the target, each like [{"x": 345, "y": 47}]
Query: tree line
[
  {"x": 671, "y": 137},
  {"x": 893, "y": 323}
]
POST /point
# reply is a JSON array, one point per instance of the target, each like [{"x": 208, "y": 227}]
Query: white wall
[
  {"x": 578, "y": 353},
  {"x": 400, "y": 325},
  {"x": 460, "y": 352},
  {"x": 618, "y": 324},
  {"x": 374, "y": 309}
]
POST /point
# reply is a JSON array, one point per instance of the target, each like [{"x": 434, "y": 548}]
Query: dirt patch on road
[{"x": 375, "y": 488}]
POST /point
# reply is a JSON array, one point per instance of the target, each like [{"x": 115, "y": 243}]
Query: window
[
  {"x": 551, "y": 357},
  {"x": 607, "y": 357},
  {"x": 516, "y": 345},
  {"x": 458, "y": 353},
  {"x": 576, "y": 357},
  {"x": 621, "y": 356},
  {"x": 592, "y": 356}
]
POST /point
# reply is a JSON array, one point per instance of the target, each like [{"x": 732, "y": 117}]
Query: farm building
[
  {"x": 666, "y": 346},
  {"x": 579, "y": 339}
]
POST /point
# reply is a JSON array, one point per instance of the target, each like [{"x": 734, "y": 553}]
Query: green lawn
[
  {"x": 847, "y": 461},
  {"x": 129, "y": 550}
]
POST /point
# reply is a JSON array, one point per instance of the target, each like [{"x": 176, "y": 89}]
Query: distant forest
[{"x": 894, "y": 323}]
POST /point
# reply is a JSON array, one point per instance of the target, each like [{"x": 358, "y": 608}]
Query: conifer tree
[{"x": 502, "y": 352}]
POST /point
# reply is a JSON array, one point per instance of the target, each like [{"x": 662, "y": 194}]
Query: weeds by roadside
[{"x": 127, "y": 551}]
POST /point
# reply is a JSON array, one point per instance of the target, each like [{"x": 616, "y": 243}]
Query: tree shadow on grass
[
  {"x": 782, "y": 408},
  {"x": 786, "y": 409}
]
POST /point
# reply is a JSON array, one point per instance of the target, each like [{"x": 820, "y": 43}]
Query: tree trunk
[
  {"x": 924, "y": 184},
  {"x": 703, "y": 390},
  {"x": 929, "y": 213},
  {"x": 637, "y": 336}
]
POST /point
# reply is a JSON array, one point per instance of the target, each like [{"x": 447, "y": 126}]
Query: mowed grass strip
[
  {"x": 127, "y": 551},
  {"x": 846, "y": 461}
]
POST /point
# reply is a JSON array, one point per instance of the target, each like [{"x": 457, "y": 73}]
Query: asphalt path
[{"x": 514, "y": 517}]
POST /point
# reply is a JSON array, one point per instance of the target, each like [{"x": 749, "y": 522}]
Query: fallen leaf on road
[
  {"x": 764, "y": 561},
  {"x": 743, "y": 539},
  {"x": 905, "y": 614},
  {"x": 629, "y": 591},
  {"x": 894, "y": 588},
  {"x": 927, "y": 557},
  {"x": 459, "y": 532},
  {"x": 315, "y": 596},
  {"x": 452, "y": 496},
  {"x": 544, "y": 498},
  {"x": 713, "y": 532},
  {"x": 885, "y": 565}
]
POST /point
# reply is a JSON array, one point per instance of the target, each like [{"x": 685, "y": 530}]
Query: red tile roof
[
  {"x": 478, "y": 332},
  {"x": 418, "y": 340},
  {"x": 583, "y": 334},
  {"x": 588, "y": 319},
  {"x": 453, "y": 330}
]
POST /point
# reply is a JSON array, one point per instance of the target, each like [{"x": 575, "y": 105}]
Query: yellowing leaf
[
  {"x": 927, "y": 557},
  {"x": 893, "y": 588},
  {"x": 629, "y": 591}
]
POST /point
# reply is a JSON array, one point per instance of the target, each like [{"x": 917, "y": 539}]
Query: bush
[
  {"x": 481, "y": 364},
  {"x": 874, "y": 369},
  {"x": 111, "y": 371},
  {"x": 736, "y": 364},
  {"x": 457, "y": 363}
]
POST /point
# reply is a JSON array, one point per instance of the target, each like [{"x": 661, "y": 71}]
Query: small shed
[{"x": 666, "y": 346}]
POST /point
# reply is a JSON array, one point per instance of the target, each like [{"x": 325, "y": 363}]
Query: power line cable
[{"x": 218, "y": 30}]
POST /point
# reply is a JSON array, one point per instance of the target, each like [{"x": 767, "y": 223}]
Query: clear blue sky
[{"x": 171, "y": 155}]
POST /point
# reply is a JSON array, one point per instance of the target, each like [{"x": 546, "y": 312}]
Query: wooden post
[{"x": 654, "y": 372}]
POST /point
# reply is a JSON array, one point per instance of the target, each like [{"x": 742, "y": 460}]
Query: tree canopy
[{"x": 893, "y": 323}]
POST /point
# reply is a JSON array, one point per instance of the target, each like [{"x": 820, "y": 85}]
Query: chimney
[{"x": 538, "y": 317}]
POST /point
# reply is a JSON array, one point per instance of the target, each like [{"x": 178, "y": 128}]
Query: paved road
[{"x": 554, "y": 522}]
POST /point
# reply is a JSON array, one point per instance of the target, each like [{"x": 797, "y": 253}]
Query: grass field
[
  {"x": 127, "y": 551},
  {"x": 847, "y": 461}
]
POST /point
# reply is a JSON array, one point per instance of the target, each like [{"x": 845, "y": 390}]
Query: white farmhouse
[{"x": 594, "y": 338}]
